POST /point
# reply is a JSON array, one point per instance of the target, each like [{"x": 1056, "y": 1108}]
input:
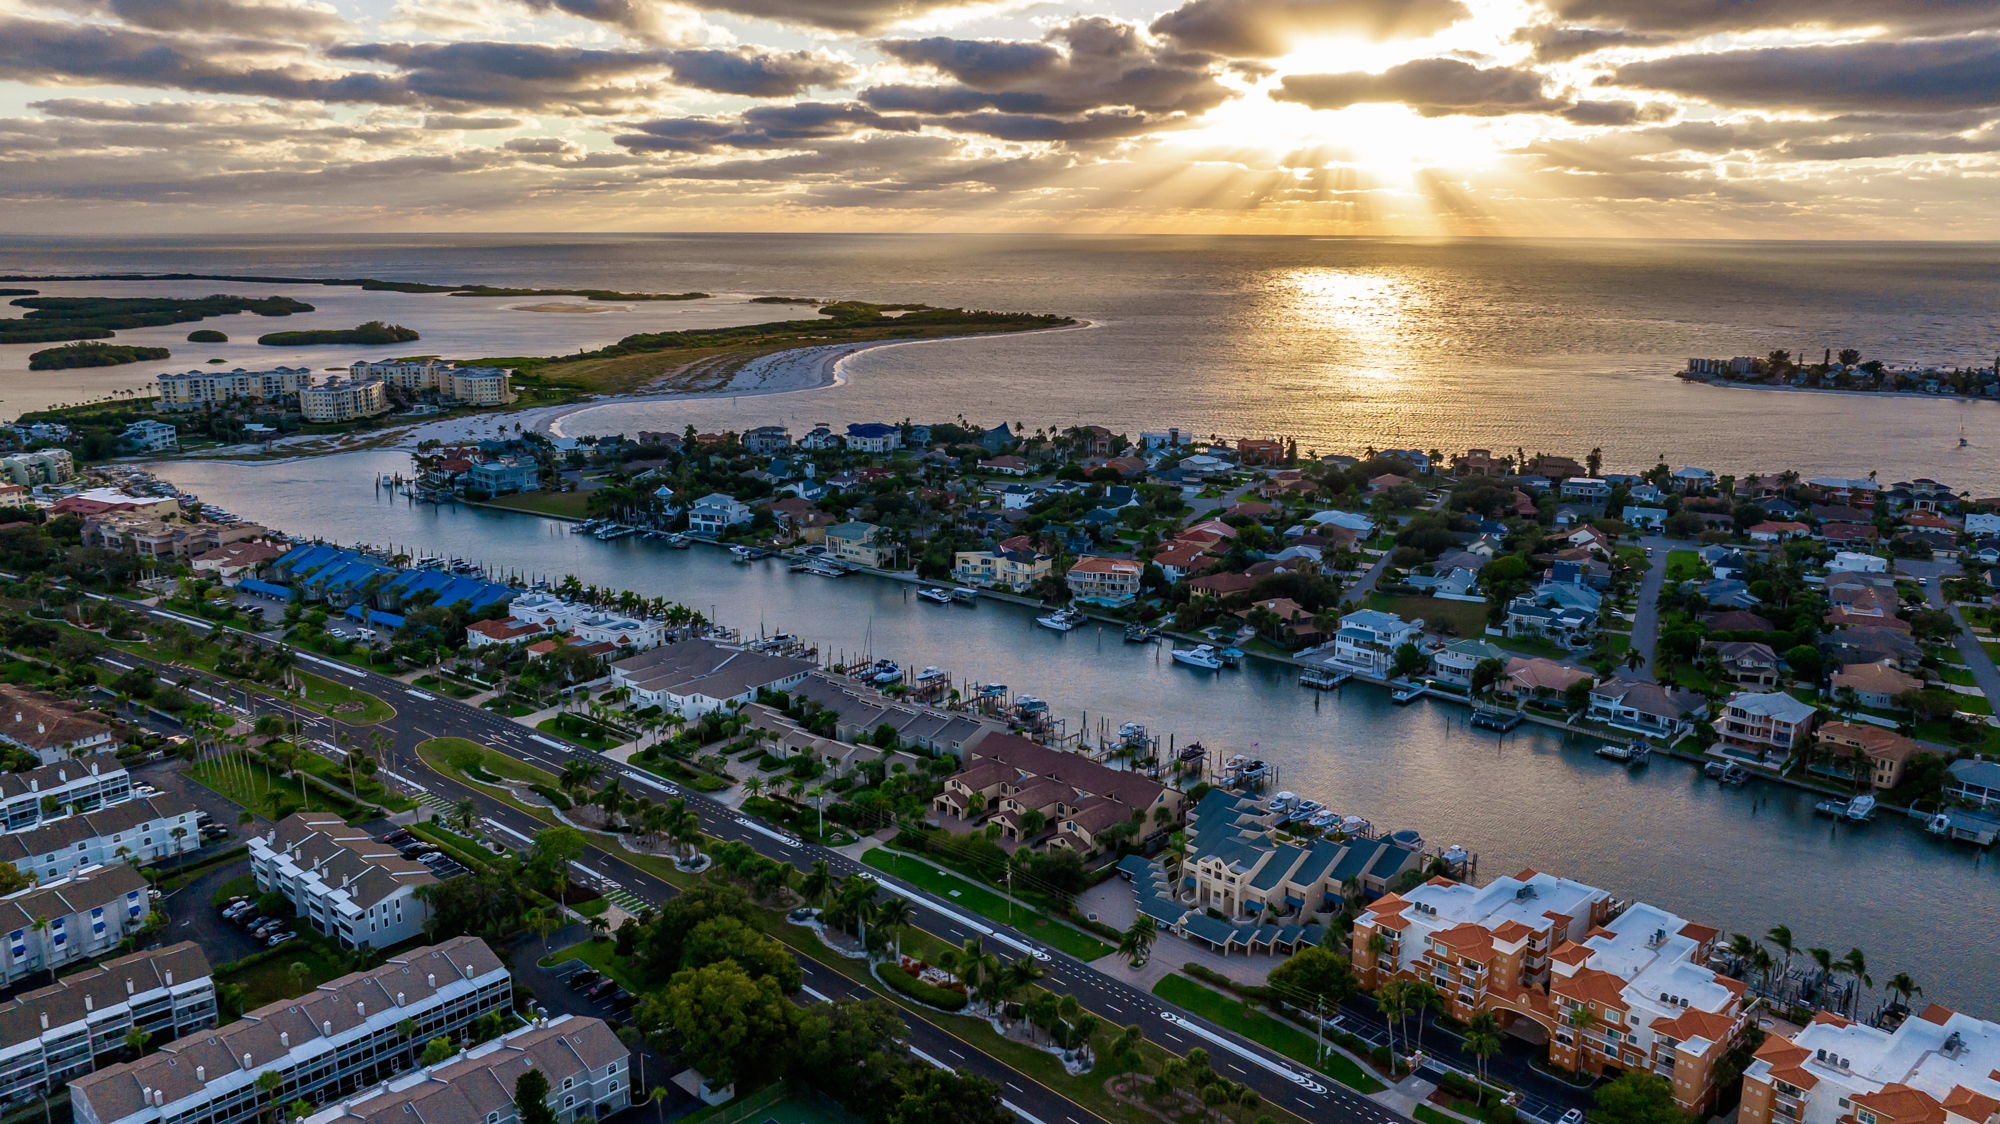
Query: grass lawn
[
  {"x": 572, "y": 505},
  {"x": 988, "y": 904},
  {"x": 507, "y": 707},
  {"x": 1531, "y": 646},
  {"x": 1957, "y": 674},
  {"x": 492, "y": 768},
  {"x": 581, "y": 730},
  {"x": 271, "y": 980},
  {"x": 601, "y": 955},
  {"x": 1258, "y": 1027},
  {"x": 260, "y": 788},
  {"x": 1685, "y": 565},
  {"x": 342, "y": 701},
  {"x": 1465, "y": 618},
  {"x": 1431, "y": 1114}
]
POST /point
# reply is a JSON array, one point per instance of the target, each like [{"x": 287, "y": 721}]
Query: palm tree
[
  {"x": 1138, "y": 940},
  {"x": 268, "y": 1083},
  {"x": 1780, "y": 938},
  {"x": 1855, "y": 964},
  {"x": 892, "y": 915},
  {"x": 1823, "y": 960},
  {"x": 817, "y": 882},
  {"x": 1903, "y": 987},
  {"x": 1423, "y": 997},
  {"x": 1482, "y": 1040},
  {"x": 465, "y": 813},
  {"x": 1393, "y": 1006}
]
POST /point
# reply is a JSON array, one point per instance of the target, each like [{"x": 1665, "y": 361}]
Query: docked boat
[
  {"x": 965, "y": 595},
  {"x": 1728, "y": 772},
  {"x": 1303, "y": 810},
  {"x": 1354, "y": 825},
  {"x": 1634, "y": 752},
  {"x": 745, "y": 553},
  {"x": 1321, "y": 820},
  {"x": 1062, "y": 620},
  {"x": 935, "y": 595},
  {"x": 1201, "y": 655},
  {"x": 824, "y": 568},
  {"x": 930, "y": 674},
  {"x": 1252, "y": 772},
  {"x": 1861, "y": 809},
  {"x": 615, "y": 531},
  {"x": 1407, "y": 693},
  {"x": 586, "y": 527},
  {"x": 1407, "y": 838},
  {"x": 1132, "y": 733},
  {"x": 883, "y": 672},
  {"x": 992, "y": 690},
  {"x": 1193, "y": 751},
  {"x": 676, "y": 541},
  {"x": 1140, "y": 634},
  {"x": 1029, "y": 705},
  {"x": 1282, "y": 802},
  {"x": 1456, "y": 855}
]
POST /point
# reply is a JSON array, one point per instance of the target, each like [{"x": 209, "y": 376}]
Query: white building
[
  {"x": 475, "y": 386},
  {"x": 692, "y": 677},
  {"x": 344, "y": 399},
  {"x": 136, "y": 831},
  {"x": 1938, "y": 1067},
  {"x": 588, "y": 624},
  {"x": 589, "y": 1072},
  {"x": 341, "y": 1036},
  {"x": 79, "y": 917},
  {"x": 1367, "y": 640},
  {"x": 149, "y": 436},
  {"x": 1855, "y": 562},
  {"x": 83, "y": 785},
  {"x": 341, "y": 882},
  {"x": 42, "y": 466},
  {"x": 715, "y": 513},
  {"x": 57, "y": 1033},
  {"x": 193, "y": 390}
]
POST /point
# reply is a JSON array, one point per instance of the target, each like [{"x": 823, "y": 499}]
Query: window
[{"x": 568, "y": 1102}]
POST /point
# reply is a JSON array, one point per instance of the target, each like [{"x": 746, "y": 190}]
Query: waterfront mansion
[
  {"x": 1611, "y": 987},
  {"x": 1030, "y": 791}
]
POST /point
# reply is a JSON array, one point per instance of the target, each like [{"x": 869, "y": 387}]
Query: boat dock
[
  {"x": 1489, "y": 718},
  {"x": 1323, "y": 678}
]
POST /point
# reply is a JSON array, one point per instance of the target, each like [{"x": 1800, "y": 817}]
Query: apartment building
[
  {"x": 195, "y": 390},
  {"x": 474, "y": 386},
  {"x": 57, "y": 1033},
  {"x": 136, "y": 831},
  {"x": 858, "y": 543},
  {"x": 1937, "y": 1067},
  {"x": 343, "y": 883},
  {"x": 1614, "y": 988},
  {"x": 1104, "y": 581},
  {"x": 860, "y": 712},
  {"x": 1767, "y": 727},
  {"x": 79, "y": 917},
  {"x": 52, "y": 728},
  {"x": 43, "y": 466},
  {"x": 588, "y": 624},
  {"x": 149, "y": 436},
  {"x": 1367, "y": 640},
  {"x": 1030, "y": 791},
  {"x": 693, "y": 677},
  {"x": 150, "y": 537},
  {"x": 66, "y": 787},
  {"x": 588, "y": 1069},
  {"x": 339, "y": 1037},
  {"x": 1014, "y": 570},
  {"x": 344, "y": 399}
]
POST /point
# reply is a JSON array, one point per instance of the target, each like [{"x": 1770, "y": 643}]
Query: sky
[{"x": 1638, "y": 118}]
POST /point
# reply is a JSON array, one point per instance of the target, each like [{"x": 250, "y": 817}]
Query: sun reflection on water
[{"x": 1362, "y": 320}]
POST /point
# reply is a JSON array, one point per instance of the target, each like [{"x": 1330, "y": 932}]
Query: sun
[{"x": 1388, "y": 144}]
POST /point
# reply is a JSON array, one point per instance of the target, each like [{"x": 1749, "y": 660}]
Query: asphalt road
[{"x": 422, "y": 715}]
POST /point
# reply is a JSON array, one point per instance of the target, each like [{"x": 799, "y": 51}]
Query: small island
[
  {"x": 18, "y": 292},
  {"x": 92, "y": 355},
  {"x": 1844, "y": 372},
  {"x": 53, "y": 319},
  {"x": 373, "y": 332},
  {"x": 207, "y": 335}
]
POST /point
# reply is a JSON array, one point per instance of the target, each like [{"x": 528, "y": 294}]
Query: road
[
  {"x": 422, "y": 715},
  {"x": 1646, "y": 614},
  {"x": 1976, "y": 660}
]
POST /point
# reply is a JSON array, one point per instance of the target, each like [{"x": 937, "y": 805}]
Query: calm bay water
[
  {"x": 1342, "y": 343},
  {"x": 1743, "y": 860}
]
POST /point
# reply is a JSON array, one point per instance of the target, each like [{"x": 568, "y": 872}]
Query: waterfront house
[
  {"x": 1367, "y": 640},
  {"x": 1608, "y": 989},
  {"x": 859, "y": 544},
  {"x": 1644, "y": 518},
  {"x": 765, "y": 440},
  {"x": 1180, "y": 559},
  {"x": 715, "y": 513},
  {"x": 873, "y": 437},
  {"x": 486, "y": 633},
  {"x": 1974, "y": 781},
  {"x": 1747, "y": 663},
  {"x": 1014, "y": 570},
  {"x": 1586, "y": 489},
  {"x": 1768, "y": 727},
  {"x": 692, "y": 677},
  {"x": 1560, "y": 612},
  {"x": 1480, "y": 462},
  {"x": 1030, "y": 789},
  {"x": 1876, "y": 684},
  {"x": 504, "y": 476},
  {"x": 341, "y": 882},
  {"x": 1533, "y": 677},
  {"x": 819, "y": 437},
  {"x": 584, "y": 624},
  {"x": 149, "y": 436},
  {"x": 1453, "y": 664},
  {"x": 1937, "y": 1066},
  {"x": 1691, "y": 479},
  {"x": 1863, "y": 751},
  {"x": 1104, "y": 581},
  {"x": 49, "y": 727},
  {"x": 233, "y": 561},
  {"x": 1645, "y": 708},
  {"x": 1220, "y": 585}
]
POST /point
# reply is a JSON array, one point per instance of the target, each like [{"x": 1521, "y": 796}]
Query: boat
[
  {"x": 1303, "y": 810},
  {"x": 1193, "y": 751},
  {"x": 1030, "y": 705},
  {"x": 586, "y": 527},
  {"x": 1407, "y": 693},
  {"x": 1728, "y": 772},
  {"x": 965, "y": 595},
  {"x": 883, "y": 672},
  {"x": 1132, "y": 732},
  {"x": 745, "y": 553},
  {"x": 1252, "y": 772},
  {"x": 615, "y": 531},
  {"x": 1062, "y": 620},
  {"x": 935, "y": 595},
  {"x": 1407, "y": 837},
  {"x": 1282, "y": 802},
  {"x": 821, "y": 567},
  {"x": 930, "y": 674},
  {"x": 1324, "y": 819},
  {"x": 1860, "y": 809},
  {"x": 1201, "y": 655},
  {"x": 677, "y": 541},
  {"x": 1235, "y": 761},
  {"x": 992, "y": 690},
  {"x": 1456, "y": 855},
  {"x": 1634, "y": 752},
  {"x": 1354, "y": 825},
  {"x": 1140, "y": 634}
]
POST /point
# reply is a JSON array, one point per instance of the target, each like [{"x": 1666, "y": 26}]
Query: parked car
[
  {"x": 232, "y": 912},
  {"x": 277, "y": 939},
  {"x": 247, "y": 918},
  {"x": 583, "y": 979},
  {"x": 602, "y": 990}
]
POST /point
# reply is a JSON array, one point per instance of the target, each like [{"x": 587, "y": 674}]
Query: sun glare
[{"x": 1387, "y": 145}]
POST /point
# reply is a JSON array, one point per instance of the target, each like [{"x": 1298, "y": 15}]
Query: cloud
[
  {"x": 765, "y": 126},
  {"x": 848, "y": 16},
  {"x": 1265, "y": 28},
  {"x": 1616, "y": 113},
  {"x": 1688, "y": 18},
  {"x": 528, "y": 75},
  {"x": 1920, "y": 74},
  {"x": 471, "y": 122},
  {"x": 302, "y": 20},
  {"x": 1437, "y": 87},
  {"x": 1558, "y": 44}
]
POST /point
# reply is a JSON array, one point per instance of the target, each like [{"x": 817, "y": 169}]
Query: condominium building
[
  {"x": 82, "y": 785},
  {"x": 589, "y": 1072},
  {"x": 343, "y": 883},
  {"x": 476, "y": 386},
  {"x": 78, "y": 917},
  {"x": 344, "y": 399},
  {"x": 1014, "y": 570},
  {"x": 1937, "y": 1067},
  {"x": 859, "y": 543},
  {"x": 43, "y": 466},
  {"x": 1368, "y": 638},
  {"x": 57, "y": 1033},
  {"x": 52, "y": 728},
  {"x": 149, "y": 436},
  {"x": 586, "y": 623},
  {"x": 692, "y": 677},
  {"x": 135, "y": 831},
  {"x": 1766, "y": 726},
  {"x": 1016, "y": 784},
  {"x": 339, "y": 1037},
  {"x": 1613, "y": 989},
  {"x": 150, "y": 537},
  {"x": 194, "y": 390},
  {"x": 1104, "y": 581}
]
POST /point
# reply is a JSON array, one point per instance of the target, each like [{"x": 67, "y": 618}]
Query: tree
[
  {"x": 732, "y": 1027},
  {"x": 12, "y": 880},
  {"x": 1314, "y": 976},
  {"x": 1482, "y": 1039},
  {"x": 852, "y": 1049},
  {"x": 436, "y": 1051},
  {"x": 1137, "y": 941},
  {"x": 728, "y": 938},
  {"x": 892, "y": 916},
  {"x": 548, "y": 860},
  {"x": 1638, "y": 1097},
  {"x": 531, "y": 1098},
  {"x": 943, "y": 1096},
  {"x": 268, "y": 1083}
]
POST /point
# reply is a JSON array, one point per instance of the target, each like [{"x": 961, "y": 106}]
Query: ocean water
[{"x": 1340, "y": 343}]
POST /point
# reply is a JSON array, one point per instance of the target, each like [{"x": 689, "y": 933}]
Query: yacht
[
  {"x": 930, "y": 674},
  {"x": 935, "y": 595},
  {"x": 1634, "y": 752},
  {"x": 1728, "y": 772},
  {"x": 1303, "y": 810},
  {"x": 677, "y": 541},
  {"x": 883, "y": 673},
  {"x": 745, "y": 553},
  {"x": 1193, "y": 751},
  {"x": 1201, "y": 655},
  {"x": 1861, "y": 809},
  {"x": 1062, "y": 620},
  {"x": 1281, "y": 802},
  {"x": 1321, "y": 820}
]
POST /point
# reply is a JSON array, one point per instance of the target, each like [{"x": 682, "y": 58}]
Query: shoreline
[{"x": 1732, "y": 384}]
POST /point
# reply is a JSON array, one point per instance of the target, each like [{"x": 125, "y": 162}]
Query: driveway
[{"x": 1646, "y": 613}]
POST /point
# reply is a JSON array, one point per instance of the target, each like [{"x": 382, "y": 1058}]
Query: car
[
  {"x": 232, "y": 912},
  {"x": 247, "y": 918},
  {"x": 583, "y": 979},
  {"x": 1925, "y": 582},
  {"x": 367, "y": 634},
  {"x": 602, "y": 990},
  {"x": 1573, "y": 1116},
  {"x": 278, "y": 939},
  {"x": 400, "y": 835},
  {"x": 145, "y": 790}
]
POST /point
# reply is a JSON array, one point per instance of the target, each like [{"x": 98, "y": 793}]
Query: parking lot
[
  {"x": 595, "y": 993},
  {"x": 441, "y": 864}
]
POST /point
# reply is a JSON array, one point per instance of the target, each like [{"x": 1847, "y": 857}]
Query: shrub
[{"x": 940, "y": 997}]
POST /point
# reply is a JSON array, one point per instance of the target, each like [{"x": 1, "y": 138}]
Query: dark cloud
[
  {"x": 43, "y": 52},
  {"x": 1898, "y": 74},
  {"x": 1433, "y": 87},
  {"x": 528, "y": 75},
  {"x": 849, "y": 16},
  {"x": 1107, "y": 124},
  {"x": 470, "y": 122},
  {"x": 1686, "y": 18},
  {"x": 1616, "y": 113},
  {"x": 1558, "y": 44},
  {"x": 1263, "y": 28},
  {"x": 158, "y": 112},
  {"x": 639, "y": 18},
  {"x": 765, "y": 126},
  {"x": 234, "y": 17}
]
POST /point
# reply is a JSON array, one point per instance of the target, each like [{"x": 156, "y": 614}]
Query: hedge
[{"x": 942, "y": 998}]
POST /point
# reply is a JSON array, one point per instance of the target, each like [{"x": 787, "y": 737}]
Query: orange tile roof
[
  {"x": 1936, "y": 1013},
  {"x": 1965, "y": 1102},
  {"x": 1699, "y": 933},
  {"x": 1512, "y": 931},
  {"x": 1468, "y": 940},
  {"x": 1901, "y": 1104},
  {"x": 1693, "y": 1023},
  {"x": 1589, "y": 985}
]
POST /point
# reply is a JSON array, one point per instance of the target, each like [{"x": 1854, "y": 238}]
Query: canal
[{"x": 1742, "y": 860}]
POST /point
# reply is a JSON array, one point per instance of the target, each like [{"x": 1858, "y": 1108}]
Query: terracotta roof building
[
  {"x": 1936, "y": 1067},
  {"x": 1075, "y": 797}
]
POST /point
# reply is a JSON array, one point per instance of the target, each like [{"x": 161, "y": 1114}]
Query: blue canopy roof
[{"x": 265, "y": 589}]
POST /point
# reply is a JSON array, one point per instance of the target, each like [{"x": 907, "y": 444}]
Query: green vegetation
[
  {"x": 290, "y": 969},
  {"x": 1460, "y": 618},
  {"x": 207, "y": 335},
  {"x": 264, "y": 789},
  {"x": 1685, "y": 566},
  {"x": 930, "y": 995},
  {"x": 582, "y": 730},
  {"x": 89, "y": 318},
  {"x": 373, "y": 332},
  {"x": 1262, "y": 1029},
  {"x": 368, "y": 284},
  {"x": 92, "y": 355},
  {"x": 574, "y": 505},
  {"x": 601, "y": 955},
  {"x": 987, "y": 904},
  {"x": 465, "y": 760},
  {"x": 349, "y": 704}
]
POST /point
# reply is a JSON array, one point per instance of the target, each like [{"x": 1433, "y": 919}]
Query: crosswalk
[{"x": 625, "y": 899}]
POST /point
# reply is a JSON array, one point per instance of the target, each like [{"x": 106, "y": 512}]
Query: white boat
[
  {"x": 1860, "y": 809},
  {"x": 935, "y": 595},
  {"x": 820, "y": 567},
  {"x": 1322, "y": 820},
  {"x": 1408, "y": 693},
  {"x": 930, "y": 675},
  {"x": 745, "y": 553},
  {"x": 1201, "y": 655},
  {"x": 1939, "y": 824},
  {"x": 1062, "y": 620},
  {"x": 1131, "y": 731},
  {"x": 677, "y": 541},
  {"x": 1354, "y": 825},
  {"x": 966, "y": 594},
  {"x": 1282, "y": 802},
  {"x": 884, "y": 672},
  {"x": 1303, "y": 810},
  {"x": 1236, "y": 761},
  {"x": 1631, "y": 753}
]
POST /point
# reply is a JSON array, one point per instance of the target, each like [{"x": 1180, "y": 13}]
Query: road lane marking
[
  {"x": 753, "y": 825},
  {"x": 419, "y": 694},
  {"x": 551, "y": 742},
  {"x": 1286, "y": 1072}
]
